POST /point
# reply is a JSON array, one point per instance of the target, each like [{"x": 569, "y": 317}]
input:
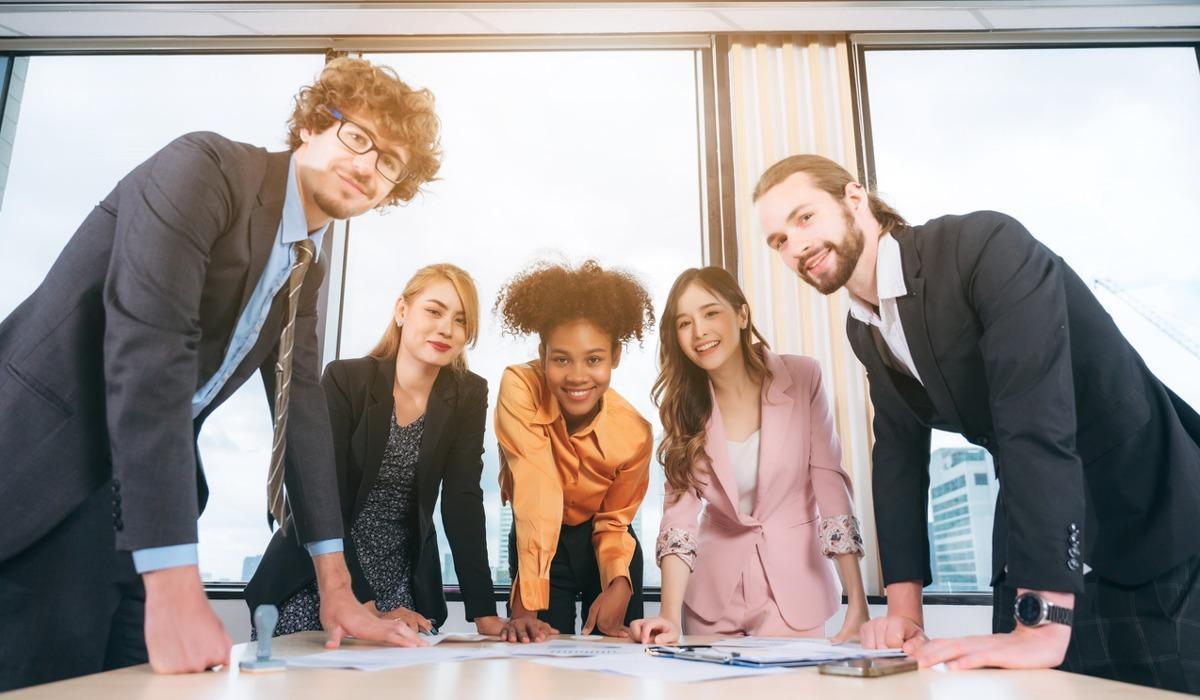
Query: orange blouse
[{"x": 551, "y": 477}]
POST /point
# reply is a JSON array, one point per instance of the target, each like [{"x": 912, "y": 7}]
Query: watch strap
[{"x": 1059, "y": 614}]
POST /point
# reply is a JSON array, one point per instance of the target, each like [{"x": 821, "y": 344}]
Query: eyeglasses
[{"x": 359, "y": 140}]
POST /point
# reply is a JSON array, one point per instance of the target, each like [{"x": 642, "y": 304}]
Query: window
[
  {"x": 1094, "y": 151},
  {"x": 85, "y": 121},
  {"x": 564, "y": 155}
]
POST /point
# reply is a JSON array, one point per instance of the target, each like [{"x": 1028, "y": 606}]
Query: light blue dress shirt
[{"x": 293, "y": 227}]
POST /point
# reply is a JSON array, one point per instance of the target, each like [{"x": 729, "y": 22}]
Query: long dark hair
[{"x": 681, "y": 389}]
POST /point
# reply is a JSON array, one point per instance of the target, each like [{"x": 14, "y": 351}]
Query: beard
[
  {"x": 846, "y": 258},
  {"x": 333, "y": 206}
]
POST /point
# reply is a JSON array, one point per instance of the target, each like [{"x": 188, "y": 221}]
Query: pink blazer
[{"x": 800, "y": 479}]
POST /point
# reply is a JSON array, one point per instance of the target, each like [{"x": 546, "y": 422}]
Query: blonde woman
[{"x": 408, "y": 422}]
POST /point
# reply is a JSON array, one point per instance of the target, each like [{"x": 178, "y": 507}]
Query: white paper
[
  {"x": 435, "y": 639},
  {"x": 393, "y": 657},
  {"x": 562, "y": 648},
  {"x": 656, "y": 668}
]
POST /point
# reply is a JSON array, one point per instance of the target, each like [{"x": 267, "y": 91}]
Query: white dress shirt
[{"x": 889, "y": 280}]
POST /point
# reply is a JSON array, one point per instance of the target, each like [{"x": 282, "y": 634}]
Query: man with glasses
[{"x": 201, "y": 267}]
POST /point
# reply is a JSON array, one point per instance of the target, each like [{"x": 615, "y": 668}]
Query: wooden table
[{"x": 505, "y": 679}]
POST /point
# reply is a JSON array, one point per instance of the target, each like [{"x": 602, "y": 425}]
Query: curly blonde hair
[{"x": 401, "y": 114}]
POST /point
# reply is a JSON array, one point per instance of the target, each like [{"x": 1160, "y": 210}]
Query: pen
[{"x": 433, "y": 629}]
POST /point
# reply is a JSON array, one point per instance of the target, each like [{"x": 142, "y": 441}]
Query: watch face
[{"x": 1029, "y": 610}]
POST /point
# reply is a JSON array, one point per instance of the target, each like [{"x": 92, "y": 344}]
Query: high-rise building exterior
[
  {"x": 962, "y": 501},
  {"x": 501, "y": 575}
]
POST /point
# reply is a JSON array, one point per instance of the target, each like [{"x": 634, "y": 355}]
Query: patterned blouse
[{"x": 384, "y": 535}]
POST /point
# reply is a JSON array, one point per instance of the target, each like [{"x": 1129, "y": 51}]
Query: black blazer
[
  {"x": 1016, "y": 354},
  {"x": 98, "y": 366},
  {"x": 359, "y": 392}
]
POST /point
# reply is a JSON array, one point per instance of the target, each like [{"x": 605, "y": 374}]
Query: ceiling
[{"x": 249, "y": 18}]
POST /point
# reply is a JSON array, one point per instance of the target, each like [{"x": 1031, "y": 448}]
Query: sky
[{"x": 595, "y": 154}]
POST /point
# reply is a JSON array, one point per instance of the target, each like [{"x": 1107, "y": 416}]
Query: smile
[
  {"x": 816, "y": 260},
  {"x": 440, "y": 347},
  {"x": 577, "y": 394},
  {"x": 705, "y": 347},
  {"x": 354, "y": 184}
]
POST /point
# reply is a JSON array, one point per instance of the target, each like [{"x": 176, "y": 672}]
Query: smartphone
[{"x": 868, "y": 668}]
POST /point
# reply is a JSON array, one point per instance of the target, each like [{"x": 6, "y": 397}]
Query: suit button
[
  {"x": 1074, "y": 538},
  {"x": 116, "y": 486},
  {"x": 1073, "y": 564},
  {"x": 118, "y": 524},
  {"x": 1073, "y": 527},
  {"x": 1074, "y": 551},
  {"x": 982, "y": 440}
]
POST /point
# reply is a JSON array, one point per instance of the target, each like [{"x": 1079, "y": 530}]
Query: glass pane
[
  {"x": 85, "y": 121},
  {"x": 1095, "y": 151},
  {"x": 562, "y": 155}
]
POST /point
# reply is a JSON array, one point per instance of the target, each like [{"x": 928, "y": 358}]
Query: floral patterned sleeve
[
  {"x": 839, "y": 535},
  {"x": 678, "y": 542}
]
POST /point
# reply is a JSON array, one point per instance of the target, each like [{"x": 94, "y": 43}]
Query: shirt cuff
[
  {"x": 155, "y": 558},
  {"x": 316, "y": 549},
  {"x": 679, "y": 542},
  {"x": 840, "y": 535}
]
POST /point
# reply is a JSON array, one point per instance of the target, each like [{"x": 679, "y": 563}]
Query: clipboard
[{"x": 706, "y": 653}]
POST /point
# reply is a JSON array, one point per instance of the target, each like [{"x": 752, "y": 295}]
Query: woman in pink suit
[{"x": 757, "y": 502}]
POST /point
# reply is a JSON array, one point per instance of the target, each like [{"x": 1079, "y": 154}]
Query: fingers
[
  {"x": 945, "y": 650},
  {"x": 869, "y": 634},
  {"x": 645, "y": 630},
  {"x": 914, "y": 644},
  {"x": 333, "y": 639},
  {"x": 668, "y": 637},
  {"x": 980, "y": 659},
  {"x": 894, "y": 634},
  {"x": 636, "y": 630},
  {"x": 588, "y": 626}
]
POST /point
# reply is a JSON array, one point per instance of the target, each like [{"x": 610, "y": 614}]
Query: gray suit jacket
[{"x": 98, "y": 366}]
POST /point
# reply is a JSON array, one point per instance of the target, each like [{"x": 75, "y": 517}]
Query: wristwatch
[{"x": 1032, "y": 610}]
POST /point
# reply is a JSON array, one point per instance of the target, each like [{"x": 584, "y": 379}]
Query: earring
[{"x": 399, "y": 323}]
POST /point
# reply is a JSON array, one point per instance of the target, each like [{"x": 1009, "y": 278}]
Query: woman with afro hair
[{"x": 575, "y": 455}]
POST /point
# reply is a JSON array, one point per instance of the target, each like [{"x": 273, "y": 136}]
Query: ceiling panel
[
  {"x": 326, "y": 22},
  {"x": 859, "y": 19},
  {"x": 1094, "y": 17},
  {"x": 615, "y": 20},
  {"x": 118, "y": 23}
]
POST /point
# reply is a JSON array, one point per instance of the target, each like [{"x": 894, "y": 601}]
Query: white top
[
  {"x": 889, "y": 278},
  {"x": 743, "y": 457}
]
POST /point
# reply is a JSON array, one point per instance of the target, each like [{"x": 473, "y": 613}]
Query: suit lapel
[
  {"x": 913, "y": 319},
  {"x": 264, "y": 221},
  {"x": 438, "y": 409},
  {"x": 718, "y": 453},
  {"x": 379, "y": 427},
  {"x": 777, "y": 407}
]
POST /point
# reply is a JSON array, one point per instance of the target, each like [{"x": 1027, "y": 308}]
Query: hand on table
[
  {"x": 183, "y": 634},
  {"x": 1026, "y": 647},
  {"x": 415, "y": 621},
  {"x": 526, "y": 628},
  {"x": 490, "y": 625},
  {"x": 856, "y": 617},
  {"x": 607, "y": 613},
  {"x": 654, "y": 630},
  {"x": 343, "y": 616},
  {"x": 892, "y": 632}
]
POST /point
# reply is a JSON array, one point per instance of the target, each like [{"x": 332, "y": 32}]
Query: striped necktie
[{"x": 276, "y": 502}]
